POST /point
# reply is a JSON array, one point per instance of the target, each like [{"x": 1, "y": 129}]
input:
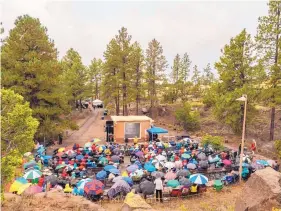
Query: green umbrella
[
  {"x": 103, "y": 160},
  {"x": 32, "y": 174},
  {"x": 61, "y": 166},
  {"x": 185, "y": 156},
  {"x": 173, "y": 183}
]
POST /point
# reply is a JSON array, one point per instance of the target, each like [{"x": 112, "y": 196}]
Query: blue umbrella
[
  {"x": 47, "y": 157},
  {"x": 22, "y": 180},
  {"x": 262, "y": 162},
  {"x": 101, "y": 175},
  {"x": 114, "y": 171},
  {"x": 149, "y": 167},
  {"x": 245, "y": 165},
  {"x": 108, "y": 167},
  {"x": 79, "y": 157},
  {"x": 198, "y": 179},
  {"x": 128, "y": 180}
]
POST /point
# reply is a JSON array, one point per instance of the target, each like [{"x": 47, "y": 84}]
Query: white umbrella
[
  {"x": 169, "y": 165},
  {"x": 161, "y": 158}
]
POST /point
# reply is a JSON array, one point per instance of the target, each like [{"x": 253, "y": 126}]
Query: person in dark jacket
[{"x": 60, "y": 139}]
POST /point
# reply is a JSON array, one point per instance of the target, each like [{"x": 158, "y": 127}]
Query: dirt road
[{"x": 93, "y": 127}]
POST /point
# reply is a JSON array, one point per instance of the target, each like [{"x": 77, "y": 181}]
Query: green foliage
[
  {"x": 215, "y": 141},
  {"x": 208, "y": 76},
  {"x": 95, "y": 74},
  {"x": 17, "y": 132},
  {"x": 30, "y": 68},
  {"x": 210, "y": 95},
  {"x": 18, "y": 126},
  {"x": 237, "y": 76},
  {"x": 277, "y": 145},
  {"x": 184, "y": 68},
  {"x": 269, "y": 52},
  {"x": 189, "y": 119},
  {"x": 156, "y": 64},
  {"x": 76, "y": 77}
]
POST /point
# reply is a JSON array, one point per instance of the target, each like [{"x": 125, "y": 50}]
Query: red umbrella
[
  {"x": 226, "y": 162},
  {"x": 94, "y": 187}
]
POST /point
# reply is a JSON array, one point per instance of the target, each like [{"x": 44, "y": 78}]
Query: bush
[
  {"x": 278, "y": 147},
  {"x": 215, "y": 141},
  {"x": 187, "y": 118}
]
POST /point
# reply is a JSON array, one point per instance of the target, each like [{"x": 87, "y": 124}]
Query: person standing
[
  {"x": 60, "y": 139},
  {"x": 159, "y": 189},
  {"x": 254, "y": 146}
]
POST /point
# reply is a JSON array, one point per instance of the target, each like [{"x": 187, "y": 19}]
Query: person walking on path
[
  {"x": 159, "y": 189},
  {"x": 254, "y": 146},
  {"x": 60, "y": 139}
]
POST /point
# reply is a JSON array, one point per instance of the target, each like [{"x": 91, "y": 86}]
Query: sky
[{"x": 200, "y": 28}]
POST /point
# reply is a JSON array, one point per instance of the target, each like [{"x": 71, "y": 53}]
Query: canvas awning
[
  {"x": 157, "y": 130},
  {"x": 97, "y": 102}
]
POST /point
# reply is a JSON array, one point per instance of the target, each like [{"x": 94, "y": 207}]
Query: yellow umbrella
[
  {"x": 124, "y": 174},
  {"x": 61, "y": 149},
  {"x": 15, "y": 186},
  {"x": 96, "y": 140},
  {"x": 22, "y": 188}
]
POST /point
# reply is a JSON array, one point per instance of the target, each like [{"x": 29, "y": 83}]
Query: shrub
[
  {"x": 187, "y": 118},
  {"x": 215, "y": 141},
  {"x": 278, "y": 147}
]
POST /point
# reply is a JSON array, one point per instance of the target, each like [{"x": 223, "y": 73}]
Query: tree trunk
[
  {"x": 271, "y": 135},
  {"x": 138, "y": 88},
  {"x": 272, "y": 122},
  {"x": 80, "y": 102},
  {"x": 97, "y": 96}
]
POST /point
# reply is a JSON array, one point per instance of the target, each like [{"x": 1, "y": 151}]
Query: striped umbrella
[
  {"x": 32, "y": 174},
  {"x": 198, "y": 179},
  {"x": 61, "y": 166}
]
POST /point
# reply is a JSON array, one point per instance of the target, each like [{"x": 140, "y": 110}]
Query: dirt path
[{"x": 93, "y": 127}]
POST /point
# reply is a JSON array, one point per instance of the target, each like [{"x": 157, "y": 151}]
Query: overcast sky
[{"x": 200, "y": 28}]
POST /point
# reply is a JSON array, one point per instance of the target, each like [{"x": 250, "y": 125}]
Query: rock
[{"x": 261, "y": 192}]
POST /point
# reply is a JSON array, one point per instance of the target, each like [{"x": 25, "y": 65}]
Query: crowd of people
[{"x": 174, "y": 168}]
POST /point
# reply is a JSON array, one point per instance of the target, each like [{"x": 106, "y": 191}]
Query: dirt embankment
[{"x": 52, "y": 201}]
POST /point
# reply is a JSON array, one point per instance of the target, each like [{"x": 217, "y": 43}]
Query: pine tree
[
  {"x": 95, "y": 75},
  {"x": 137, "y": 62},
  {"x": 111, "y": 81},
  {"x": 196, "y": 76},
  {"x": 30, "y": 68},
  {"x": 185, "y": 67},
  {"x": 76, "y": 77},
  {"x": 237, "y": 74},
  {"x": 208, "y": 76},
  {"x": 176, "y": 68},
  {"x": 269, "y": 49},
  {"x": 155, "y": 66}
]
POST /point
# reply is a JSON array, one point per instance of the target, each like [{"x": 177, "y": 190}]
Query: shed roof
[{"x": 131, "y": 118}]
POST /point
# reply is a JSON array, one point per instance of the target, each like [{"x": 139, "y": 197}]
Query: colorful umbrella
[
  {"x": 94, "y": 187},
  {"x": 161, "y": 158},
  {"x": 17, "y": 184},
  {"x": 101, "y": 175},
  {"x": 61, "y": 149},
  {"x": 61, "y": 166},
  {"x": 262, "y": 162},
  {"x": 22, "y": 188},
  {"x": 114, "y": 171},
  {"x": 70, "y": 152},
  {"x": 82, "y": 182},
  {"x": 128, "y": 180},
  {"x": 103, "y": 160},
  {"x": 33, "y": 189},
  {"x": 139, "y": 154},
  {"x": 169, "y": 165},
  {"x": 173, "y": 183},
  {"x": 96, "y": 140},
  {"x": 108, "y": 167},
  {"x": 185, "y": 156},
  {"x": 157, "y": 174},
  {"x": 88, "y": 144},
  {"x": 170, "y": 176},
  {"x": 198, "y": 179},
  {"x": 149, "y": 167},
  {"x": 226, "y": 162},
  {"x": 191, "y": 166},
  {"x": 30, "y": 164},
  {"x": 33, "y": 174},
  {"x": 79, "y": 157},
  {"x": 132, "y": 168}
]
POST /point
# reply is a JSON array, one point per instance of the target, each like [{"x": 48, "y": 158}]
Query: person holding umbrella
[{"x": 159, "y": 189}]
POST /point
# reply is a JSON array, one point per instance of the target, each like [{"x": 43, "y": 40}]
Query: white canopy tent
[{"x": 97, "y": 102}]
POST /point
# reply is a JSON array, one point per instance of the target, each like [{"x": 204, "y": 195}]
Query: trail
[{"x": 92, "y": 128}]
